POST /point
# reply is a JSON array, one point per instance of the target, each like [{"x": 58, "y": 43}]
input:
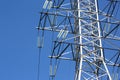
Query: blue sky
[
  {"x": 18, "y": 37},
  {"x": 18, "y": 42}
]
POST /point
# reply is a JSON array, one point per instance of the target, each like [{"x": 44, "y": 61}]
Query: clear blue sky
[
  {"x": 18, "y": 37},
  {"x": 18, "y": 42}
]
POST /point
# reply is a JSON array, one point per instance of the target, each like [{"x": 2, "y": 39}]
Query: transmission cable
[
  {"x": 39, "y": 59},
  {"x": 40, "y": 45}
]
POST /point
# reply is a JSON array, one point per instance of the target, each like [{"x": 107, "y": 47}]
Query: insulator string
[{"x": 39, "y": 59}]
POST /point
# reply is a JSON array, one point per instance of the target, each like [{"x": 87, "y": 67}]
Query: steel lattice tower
[{"x": 79, "y": 35}]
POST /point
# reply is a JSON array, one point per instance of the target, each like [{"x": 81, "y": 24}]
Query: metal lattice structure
[{"x": 86, "y": 32}]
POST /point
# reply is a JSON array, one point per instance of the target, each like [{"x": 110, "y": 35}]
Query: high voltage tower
[{"x": 84, "y": 32}]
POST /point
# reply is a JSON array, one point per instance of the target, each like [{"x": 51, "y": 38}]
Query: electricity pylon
[{"x": 80, "y": 33}]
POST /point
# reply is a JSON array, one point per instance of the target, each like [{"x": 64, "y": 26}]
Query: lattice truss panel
[{"x": 84, "y": 34}]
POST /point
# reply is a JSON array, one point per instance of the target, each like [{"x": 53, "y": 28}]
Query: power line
[{"x": 39, "y": 59}]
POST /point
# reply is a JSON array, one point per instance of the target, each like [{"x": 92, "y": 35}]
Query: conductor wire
[{"x": 39, "y": 59}]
